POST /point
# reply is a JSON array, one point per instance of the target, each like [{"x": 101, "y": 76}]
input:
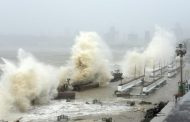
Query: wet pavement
[
  {"x": 181, "y": 112},
  {"x": 164, "y": 93},
  {"x": 114, "y": 107}
]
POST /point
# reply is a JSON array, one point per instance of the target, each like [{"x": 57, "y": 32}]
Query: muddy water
[{"x": 164, "y": 93}]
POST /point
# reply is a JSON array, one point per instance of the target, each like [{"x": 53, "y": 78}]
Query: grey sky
[{"x": 54, "y": 17}]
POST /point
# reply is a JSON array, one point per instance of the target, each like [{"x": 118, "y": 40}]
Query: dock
[
  {"x": 152, "y": 85},
  {"x": 126, "y": 86}
]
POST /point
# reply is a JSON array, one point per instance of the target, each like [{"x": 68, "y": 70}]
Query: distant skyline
[{"x": 56, "y": 17}]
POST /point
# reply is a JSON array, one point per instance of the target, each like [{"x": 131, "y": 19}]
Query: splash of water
[
  {"x": 25, "y": 83},
  {"x": 161, "y": 49},
  {"x": 89, "y": 60}
]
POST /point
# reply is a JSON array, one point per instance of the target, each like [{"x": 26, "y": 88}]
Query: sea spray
[
  {"x": 89, "y": 60},
  {"x": 25, "y": 83},
  {"x": 160, "y": 50},
  {"x": 162, "y": 47},
  {"x": 133, "y": 65}
]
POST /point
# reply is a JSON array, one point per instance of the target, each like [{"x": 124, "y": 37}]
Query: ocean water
[{"x": 60, "y": 57}]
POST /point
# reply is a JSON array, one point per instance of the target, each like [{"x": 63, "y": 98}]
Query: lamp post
[{"x": 181, "y": 51}]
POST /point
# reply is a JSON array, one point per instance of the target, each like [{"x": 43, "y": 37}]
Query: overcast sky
[{"x": 54, "y": 17}]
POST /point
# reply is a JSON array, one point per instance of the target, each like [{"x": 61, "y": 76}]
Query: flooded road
[
  {"x": 164, "y": 93},
  {"x": 83, "y": 110}
]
